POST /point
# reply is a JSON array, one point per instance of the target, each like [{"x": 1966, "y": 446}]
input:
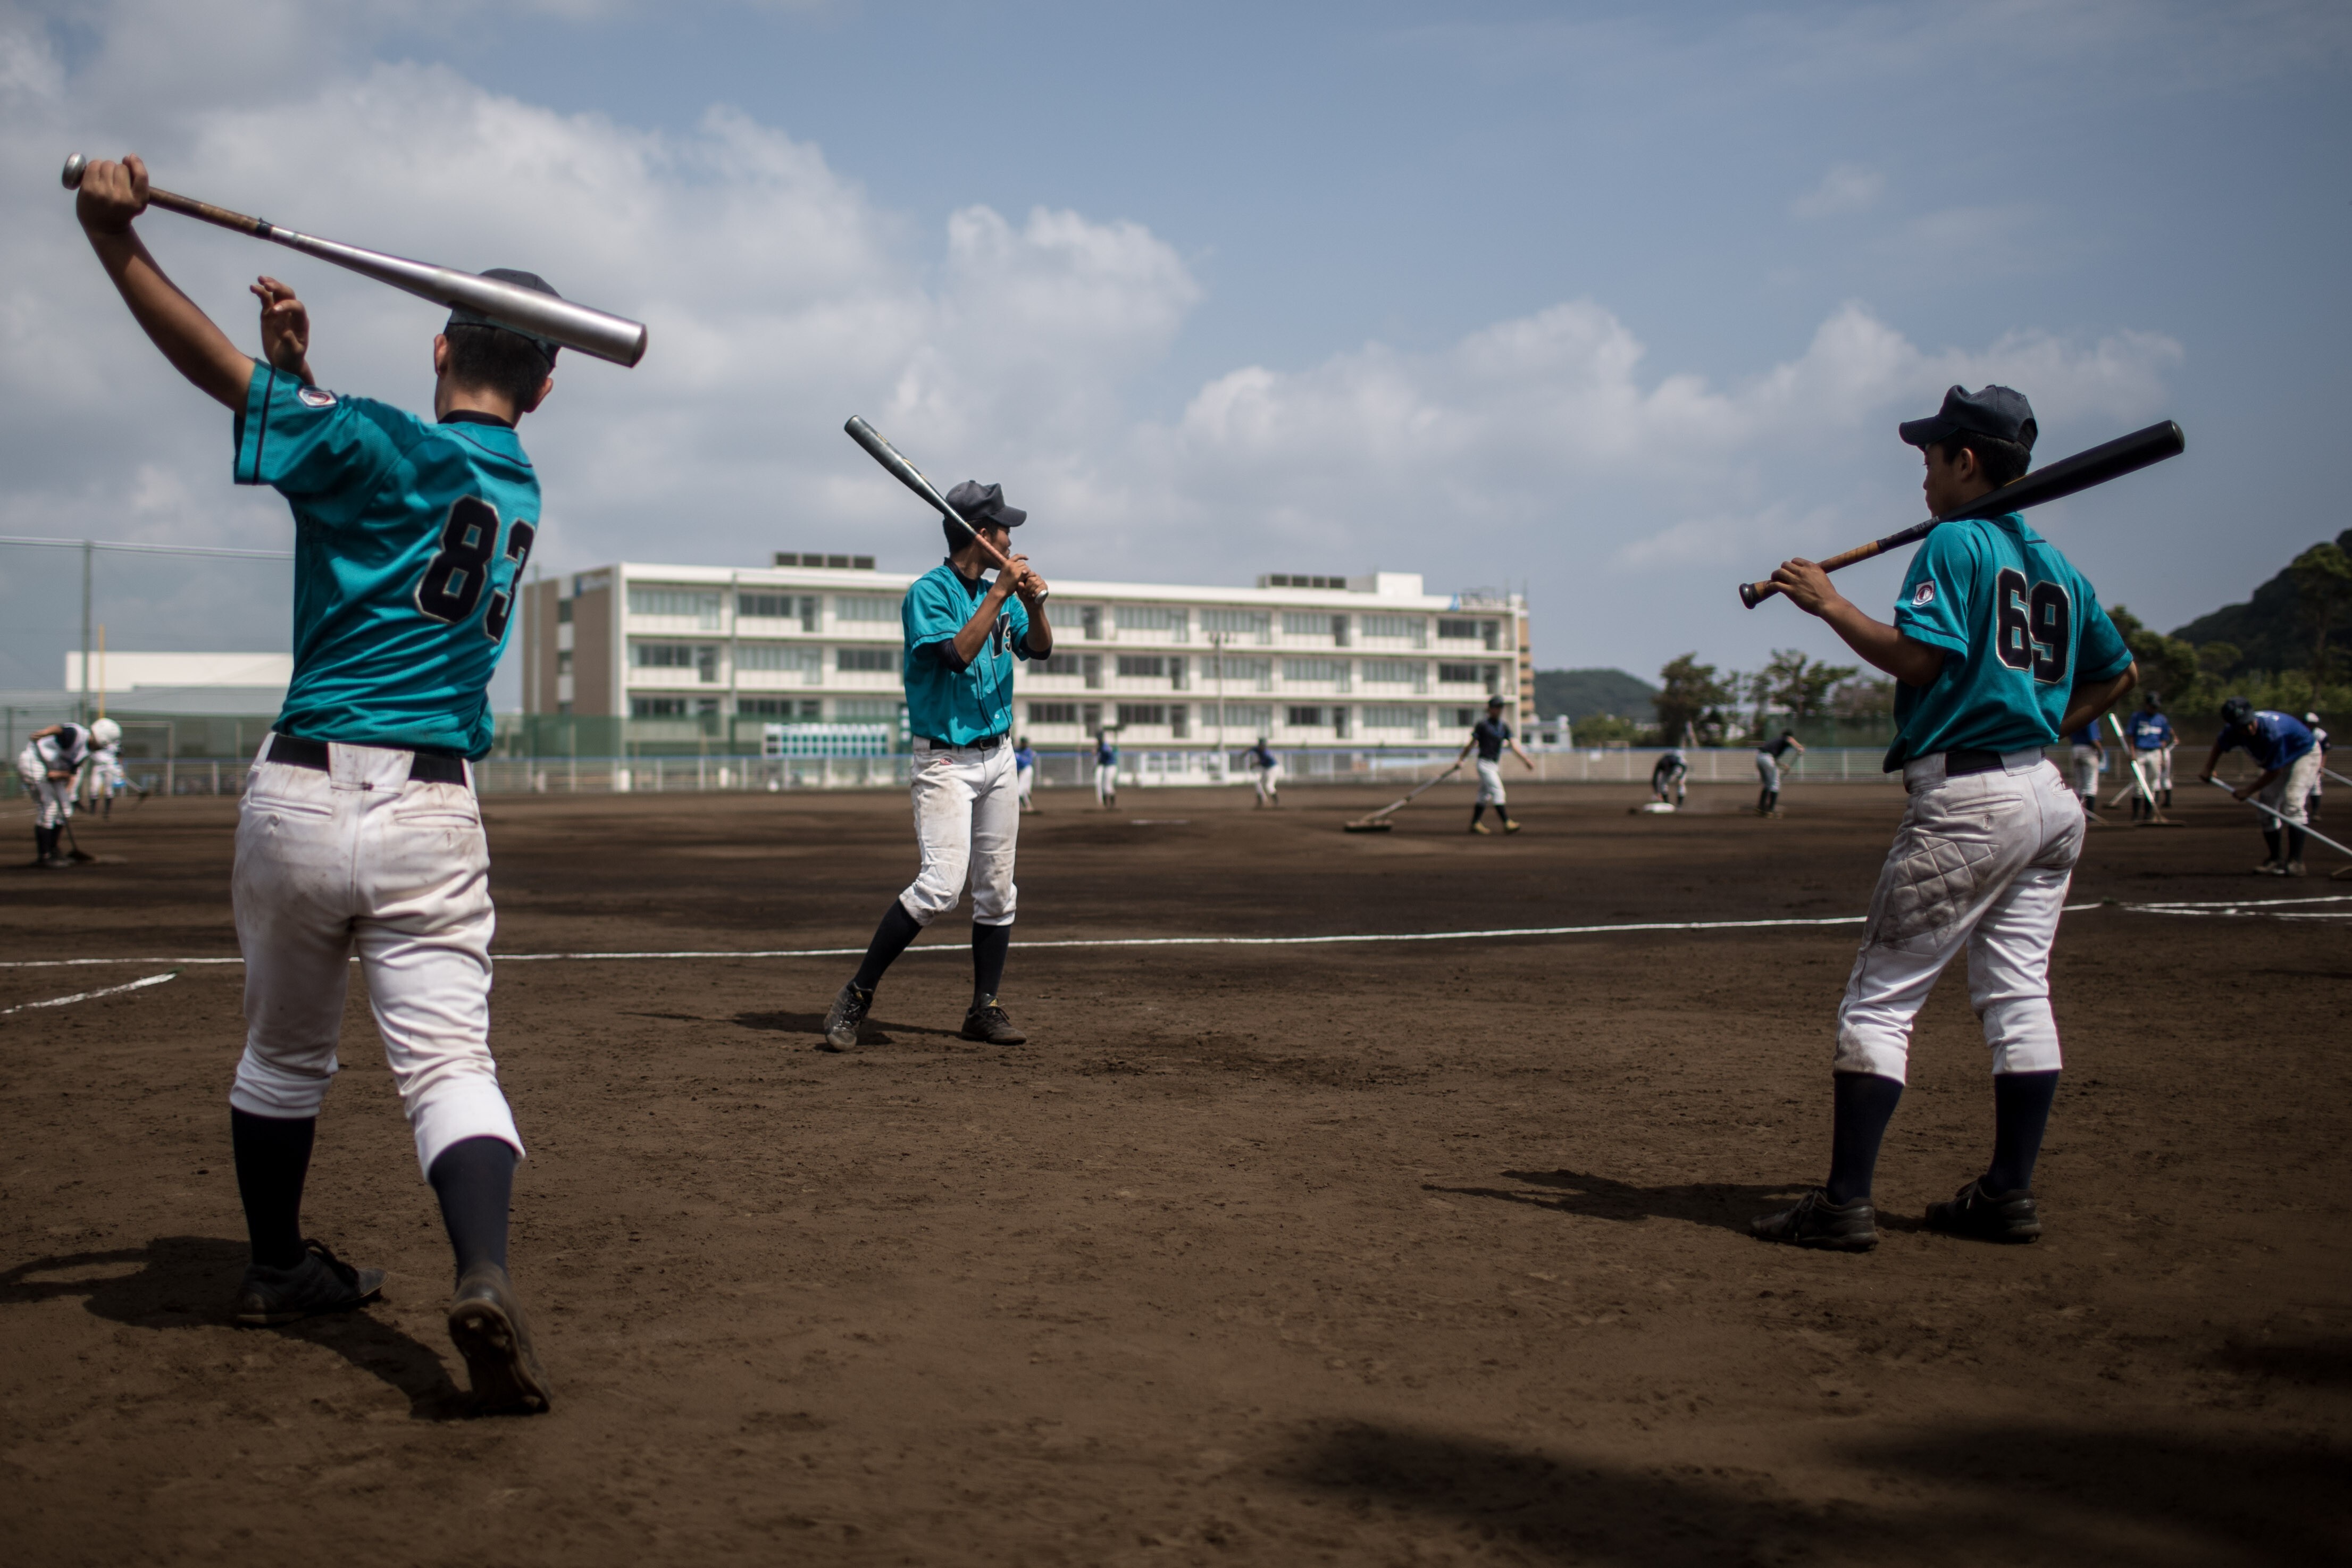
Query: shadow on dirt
[
  {"x": 2324, "y": 1363},
  {"x": 876, "y": 1032},
  {"x": 1728, "y": 1206},
  {"x": 1972, "y": 1495},
  {"x": 188, "y": 1282}
]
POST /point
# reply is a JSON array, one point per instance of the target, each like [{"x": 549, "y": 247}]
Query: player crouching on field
[
  {"x": 961, "y": 637},
  {"x": 358, "y": 830},
  {"x": 2000, "y": 647},
  {"x": 2284, "y": 747},
  {"x": 49, "y": 765}
]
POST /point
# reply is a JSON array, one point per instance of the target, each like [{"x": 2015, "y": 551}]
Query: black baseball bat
[
  {"x": 879, "y": 447},
  {"x": 2067, "y": 476}
]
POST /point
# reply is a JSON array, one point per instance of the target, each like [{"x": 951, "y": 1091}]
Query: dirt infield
[{"x": 1378, "y": 1253}]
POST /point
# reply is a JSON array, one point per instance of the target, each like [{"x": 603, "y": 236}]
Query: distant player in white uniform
[
  {"x": 359, "y": 834},
  {"x": 1768, "y": 771},
  {"x": 2089, "y": 754},
  {"x": 1666, "y": 777},
  {"x": 2318, "y": 776},
  {"x": 1269, "y": 773},
  {"x": 2000, "y": 647},
  {"x": 963, "y": 634},
  {"x": 1488, "y": 736},
  {"x": 51, "y": 765},
  {"x": 104, "y": 778},
  {"x": 1024, "y": 762}
]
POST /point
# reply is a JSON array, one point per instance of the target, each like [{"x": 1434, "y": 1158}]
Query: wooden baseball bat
[
  {"x": 879, "y": 448},
  {"x": 606, "y": 336},
  {"x": 2067, "y": 476}
]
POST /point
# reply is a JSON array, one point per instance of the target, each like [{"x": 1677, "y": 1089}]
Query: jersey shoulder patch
[
  {"x": 316, "y": 397},
  {"x": 1925, "y": 593}
]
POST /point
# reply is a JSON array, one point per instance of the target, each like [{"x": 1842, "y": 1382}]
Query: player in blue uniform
[
  {"x": 359, "y": 832},
  {"x": 2284, "y": 748},
  {"x": 2152, "y": 740},
  {"x": 961, "y": 637},
  {"x": 1106, "y": 771},
  {"x": 2000, "y": 647}
]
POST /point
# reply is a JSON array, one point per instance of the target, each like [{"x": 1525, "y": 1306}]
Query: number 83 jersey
[
  {"x": 2019, "y": 628},
  {"x": 408, "y": 540}
]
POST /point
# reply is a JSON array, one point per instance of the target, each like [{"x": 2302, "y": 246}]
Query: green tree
[
  {"x": 1798, "y": 682},
  {"x": 1864, "y": 697},
  {"x": 2323, "y": 587},
  {"x": 2167, "y": 666},
  {"x": 1688, "y": 690}
]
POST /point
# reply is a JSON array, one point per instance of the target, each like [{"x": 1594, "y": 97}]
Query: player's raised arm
[{"x": 112, "y": 195}]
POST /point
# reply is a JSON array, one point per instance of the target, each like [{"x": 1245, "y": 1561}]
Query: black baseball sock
[
  {"x": 1503, "y": 815},
  {"x": 474, "y": 1178},
  {"x": 2271, "y": 840},
  {"x": 273, "y": 1157},
  {"x": 989, "y": 945},
  {"x": 1763, "y": 799},
  {"x": 2295, "y": 837},
  {"x": 1864, "y": 1102},
  {"x": 890, "y": 939},
  {"x": 2020, "y": 1113},
  {"x": 1477, "y": 812}
]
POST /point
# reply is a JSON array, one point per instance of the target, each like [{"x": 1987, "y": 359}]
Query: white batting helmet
[{"x": 106, "y": 732}]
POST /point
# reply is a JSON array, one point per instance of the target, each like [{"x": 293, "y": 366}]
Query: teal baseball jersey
[
  {"x": 408, "y": 540},
  {"x": 2019, "y": 627},
  {"x": 947, "y": 701}
]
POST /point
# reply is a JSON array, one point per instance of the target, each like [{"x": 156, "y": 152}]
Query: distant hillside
[
  {"x": 1585, "y": 693},
  {"x": 2268, "y": 630}
]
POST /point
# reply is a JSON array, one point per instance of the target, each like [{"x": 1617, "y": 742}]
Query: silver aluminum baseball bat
[
  {"x": 877, "y": 446},
  {"x": 597, "y": 332}
]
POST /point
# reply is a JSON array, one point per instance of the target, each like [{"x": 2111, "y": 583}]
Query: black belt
[
  {"x": 1960, "y": 764},
  {"x": 424, "y": 766},
  {"x": 986, "y": 743}
]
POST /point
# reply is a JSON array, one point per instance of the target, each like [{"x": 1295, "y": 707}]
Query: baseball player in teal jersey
[
  {"x": 359, "y": 834},
  {"x": 961, "y": 637},
  {"x": 2000, "y": 647}
]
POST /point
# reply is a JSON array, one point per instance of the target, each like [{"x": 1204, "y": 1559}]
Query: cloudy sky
[{"x": 1616, "y": 303}]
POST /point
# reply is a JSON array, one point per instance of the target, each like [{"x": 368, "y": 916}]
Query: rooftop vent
[
  {"x": 830, "y": 562},
  {"x": 1293, "y": 580}
]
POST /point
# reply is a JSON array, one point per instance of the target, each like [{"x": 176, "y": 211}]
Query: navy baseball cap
[
  {"x": 460, "y": 316},
  {"x": 982, "y": 503},
  {"x": 1999, "y": 412}
]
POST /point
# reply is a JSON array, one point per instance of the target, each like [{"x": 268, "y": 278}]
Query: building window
[
  {"x": 1412, "y": 629},
  {"x": 865, "y": 710},
  {"x": 1179, "y": 714},
  {"x": 1465, "y": 715},
  {"x": 866, "y": 659},
  {"x": 702, "y": 658},
  {"x": 828, "y": 562},
  {"x": 1306, "y": 623},
  {"x": 1413, "y": 721},
  {"x": 1411, "y": 673},
  {"x": 1298, "y": 717},
  {"x": 1488, "y": 632},
  {"x": 563, "y": 660},
  {"x": 1090, "y": 622},
  {"x": 864, "y": 607},
  {"x": 1339, "y": 723},
  {"x": 1058, "y": 665},
  {"x": 1254, "y": 718},
  {"x": 1254, "y": 675},
  {"x": 1090, "y": 715},
  {"x": 1170, "y": 623},
  {"x": 1325, "y": 672},
  {"x": 785, "y": 656},
  {"x": 1177, "y": 679},
  {"x": 1144, "y": 666},
  {"x": 657, "y": 707},
  {"x": 1053, "y": 713},
  {"x": 806, "y": 709},
  {"x": 1240, "y": 625},
  {"x": 1143, "y": 713},
  {"x": 703, "y": 606},
  {"x": 1467, "y": 676},
  {"x": 563, "y": 611},
  {"x": 805, "y": 608},
  {"x": 1091, "y": 666}
]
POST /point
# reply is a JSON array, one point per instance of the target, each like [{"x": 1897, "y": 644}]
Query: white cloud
[{"x": 1846, "y": 188}]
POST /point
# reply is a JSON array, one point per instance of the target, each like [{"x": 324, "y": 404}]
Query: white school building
[{"x": 813, "y": 639}]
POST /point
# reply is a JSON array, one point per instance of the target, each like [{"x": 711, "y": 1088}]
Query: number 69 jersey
[
  {"x": 2020, "y": 629},
  {"x": 408, "y": 540}
]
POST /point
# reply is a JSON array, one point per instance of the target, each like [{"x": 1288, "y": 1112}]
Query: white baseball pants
[
  {"x": 1981, "y": 862},
  {"x": 1490, "y": 784},
  {"x": 53, "y": 800},
  {"x": 1106, "y": 782},
  {"x": 1269, "y": 783},
  {"x": 2156, "y": 767},
  {"x": 2086, "y": 771},
  {"x": 1028, "y": 782},
  {"x": 2289, "y": 794},
  {"x": 360, "y": 859},
  {"x": 967, "y": 819}
]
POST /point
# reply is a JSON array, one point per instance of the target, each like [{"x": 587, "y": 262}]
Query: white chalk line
[
  {"x": 2220, "y": 906},
  {"x": 92, "y": 995}
]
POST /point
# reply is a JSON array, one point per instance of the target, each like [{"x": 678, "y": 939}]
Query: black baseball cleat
[
  {"x": 320, "y": 1282},
  {"x": 1815, "y": 1222},
  {"x": 847, "y": 1015},
  {"x": 1987, "y": 1215},
  {"x": 487, "y": 1326},
  {"x": 988, "y": 1024}
]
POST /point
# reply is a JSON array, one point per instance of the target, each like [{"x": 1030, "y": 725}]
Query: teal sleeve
[
  {"x": 314, "y": 447},
  {"x": 1934, "y": 605},
  {"x": 2102, "y": 652},
  {"x": 930, "y": 613}
]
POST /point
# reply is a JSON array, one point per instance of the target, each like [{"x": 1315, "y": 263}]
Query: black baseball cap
[
  {"x": 1495, "y": 701},
  {"x": 982, "y": 503},
  {"x": 460, "y": 316},
  {"x": 1999, "y": 412}
]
